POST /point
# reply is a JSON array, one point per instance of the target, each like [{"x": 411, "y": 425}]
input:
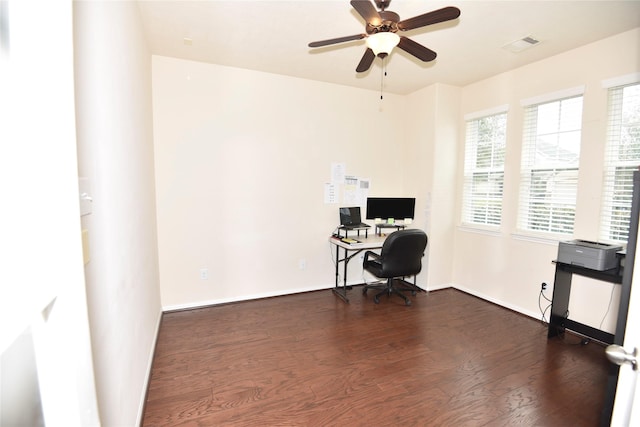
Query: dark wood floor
[{"x": 309, "y": 359}]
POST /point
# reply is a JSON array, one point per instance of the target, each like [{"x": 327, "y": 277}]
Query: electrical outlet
[
  {"x": 204, "y": 274},
  {"x": 544, "y": 286}
]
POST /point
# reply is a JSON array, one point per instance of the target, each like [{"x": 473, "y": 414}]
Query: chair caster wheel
[
  {"x": 407, "y": 302},
  {"x": 376, "y": 300},
  {"x": 364, "y": 291},
  {"x": 413, "y": 293}
]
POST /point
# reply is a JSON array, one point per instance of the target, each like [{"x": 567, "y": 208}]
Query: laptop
[{"x": 350, "y": 218}]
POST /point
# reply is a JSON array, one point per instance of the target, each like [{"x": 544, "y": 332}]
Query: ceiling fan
[{"x": 381, "y": 28}]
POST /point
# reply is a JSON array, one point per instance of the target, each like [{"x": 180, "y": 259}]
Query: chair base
[{"x": 389, "y": 289}]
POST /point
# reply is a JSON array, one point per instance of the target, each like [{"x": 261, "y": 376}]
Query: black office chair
[{"x": 401, "y": 256}]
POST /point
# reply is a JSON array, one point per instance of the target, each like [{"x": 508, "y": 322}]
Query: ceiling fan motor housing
[
  {"x": 382, "y": 4},
  {"x": 386, "y": 24},
  {"x": 389, "y": 23}
]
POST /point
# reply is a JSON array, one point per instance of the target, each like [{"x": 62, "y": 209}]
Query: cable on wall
[{"x": 608, "y": 306}]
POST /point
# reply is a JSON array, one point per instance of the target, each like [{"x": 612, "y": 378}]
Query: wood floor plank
[{"x": 312, "y": 360}]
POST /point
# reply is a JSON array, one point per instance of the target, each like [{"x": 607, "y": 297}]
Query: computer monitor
[
  {"x": 350, "y": 216},
  {"x": 391, "y": 207}
]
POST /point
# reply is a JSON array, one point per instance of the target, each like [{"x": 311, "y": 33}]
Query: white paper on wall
[
  {"x": 350, "y": 191},
  {"x": 337, "y": 173},
  {"x": 330, "y": 193}
]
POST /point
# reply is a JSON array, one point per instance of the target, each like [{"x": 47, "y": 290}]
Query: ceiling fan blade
[
  {"x": 368, "y": 11},
  {"x": 416, "y": 49},
  {"x": 366, "y": 61},
  {"x": 433, "y": 17},
  {"x": 337, "y": 40}
]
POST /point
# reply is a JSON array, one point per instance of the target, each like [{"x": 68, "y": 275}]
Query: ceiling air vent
[{"x": 521, "y": 44}]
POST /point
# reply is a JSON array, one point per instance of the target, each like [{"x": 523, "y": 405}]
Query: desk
[
  {"x": 560, "y": 300},
  {"x": 351, "y": 250},
  {"x": 380, "y": 227}
]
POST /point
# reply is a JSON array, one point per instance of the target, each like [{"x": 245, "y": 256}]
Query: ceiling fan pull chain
[{"x": 383, "y": 73}]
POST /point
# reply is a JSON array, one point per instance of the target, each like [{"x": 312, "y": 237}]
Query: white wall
[
  {"x": 231, "y": 141},
  {"x": 221, "y": 152},
  {"x": 41, "y": 278},
  {"x": 431, "y": 127},
  {"x": 20, "y": 401},
  {"x": 241, "y": 162},
  {"x": 115, "y": 146},
  {"x": 508, "y": 268}
]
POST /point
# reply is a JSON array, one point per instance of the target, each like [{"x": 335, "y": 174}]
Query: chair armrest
[{"x": 371, "y": 254}]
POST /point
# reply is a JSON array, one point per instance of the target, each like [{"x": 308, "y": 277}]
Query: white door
[{"x": 626, "y": 408}]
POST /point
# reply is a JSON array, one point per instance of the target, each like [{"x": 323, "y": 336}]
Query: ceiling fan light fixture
[{"x": 382, "y": 43}]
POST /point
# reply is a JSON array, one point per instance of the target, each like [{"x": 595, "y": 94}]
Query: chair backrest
[{"x": 402, "y": 253}]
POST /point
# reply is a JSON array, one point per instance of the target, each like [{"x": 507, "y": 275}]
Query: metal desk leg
[
  {"x": 341, "y": 291},
  {"x": 560, "y": 302}
]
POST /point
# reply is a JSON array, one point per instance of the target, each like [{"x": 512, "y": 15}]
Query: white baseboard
[
  {"x": 497, "y": 302},
  {"x": 206, "y": 303},
  {"x": 145, "y": 386},
  {"x": 437, "y": 287},
  {"x": 200, "y": 304}
]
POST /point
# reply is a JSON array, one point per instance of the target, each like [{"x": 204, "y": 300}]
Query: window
[
  {"x": 622, "y": 157},
  {"x": 484, "y": 170},
  {"x": 549, "y": 171}
]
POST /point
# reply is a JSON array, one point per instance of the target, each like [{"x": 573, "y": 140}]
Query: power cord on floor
[
  {"x": 561, "y": 333},
  {"x": 543, "y": 311}
]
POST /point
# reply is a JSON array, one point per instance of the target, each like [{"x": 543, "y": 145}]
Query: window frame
[
  {"x": 543, "y": 204},
  {"x": 491, "y": 173},
  {"x": 617, "y": 190}
]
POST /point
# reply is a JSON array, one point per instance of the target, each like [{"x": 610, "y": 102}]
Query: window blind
[
  {"x": 549, "y": 166},
  {"x": 484, "y": 170},
  {"x": 622, "y": 157}
]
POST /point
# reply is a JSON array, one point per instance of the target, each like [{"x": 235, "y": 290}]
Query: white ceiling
[{"x": 272, "y": 36}]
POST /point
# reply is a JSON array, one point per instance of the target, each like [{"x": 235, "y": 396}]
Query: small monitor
[
  {"x": 350, "y": 216},
  {"x": 391, "y": 207}
]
